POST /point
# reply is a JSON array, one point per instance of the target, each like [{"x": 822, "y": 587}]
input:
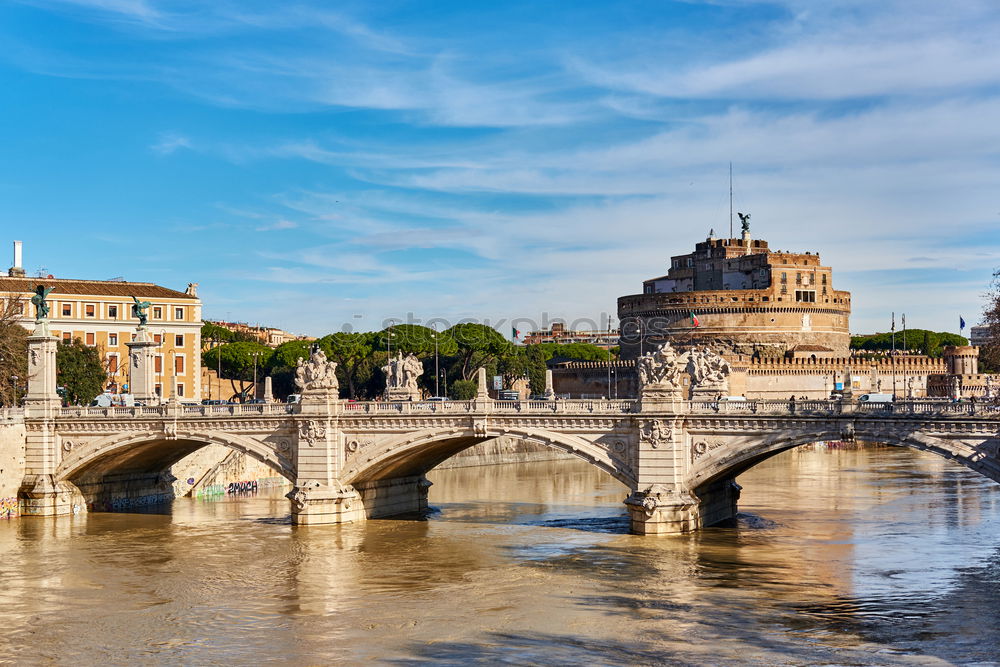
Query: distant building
[
  {"x": 269, "y": 336},
  {"x": 99, "y": 313},
  {"x": 740, "y": 296},
  {"x": 560, "y": 334},
  {"x": 979, "y": 336}
]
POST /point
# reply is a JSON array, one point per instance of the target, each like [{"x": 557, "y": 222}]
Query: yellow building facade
[{"x": 99, "y": 313}]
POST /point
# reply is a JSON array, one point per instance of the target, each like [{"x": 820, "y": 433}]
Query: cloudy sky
[{"x": 330, "y": 164}]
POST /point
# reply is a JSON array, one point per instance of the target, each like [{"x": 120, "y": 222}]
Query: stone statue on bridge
[
  {"x": 401, "y": 375},
  {"x": 318, "y": 374},
  {"x": 709, "y": 373},
  {"x": 661, "y": 372}
]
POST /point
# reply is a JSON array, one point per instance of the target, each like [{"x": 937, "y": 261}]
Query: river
[{"x": 878, "y": 556}]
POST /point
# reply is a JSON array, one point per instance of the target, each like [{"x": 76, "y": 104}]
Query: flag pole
[
  {"x": 730, "y": 200},
  {"x": 893, "y": 358}
]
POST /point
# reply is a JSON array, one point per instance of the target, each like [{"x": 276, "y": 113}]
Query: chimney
[{"x": 16, "y": 270}]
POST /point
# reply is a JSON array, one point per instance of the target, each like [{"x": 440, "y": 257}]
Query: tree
[
  {"x": 352, "y": 352},
  {"x": 581, "y": 351},
  {"x": 463, "y": 390},
  {"x": 238, "y": 362},
  {"x": 79, "y": 372},
  {"x": 281, "y": 366},
  {"x": 990, "y": 354},
  {"x": 414, "y": 339},
  {"x": 513, "y": 366},
  {"x": 478, "y": 345},
  {"x": 13, "y": 353},
  {"x": 536, "y": 368},
  {"x": 931, "y": 341}
]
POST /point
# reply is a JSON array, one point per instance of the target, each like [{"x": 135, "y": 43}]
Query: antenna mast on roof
[{"x": 730, "y": 200}]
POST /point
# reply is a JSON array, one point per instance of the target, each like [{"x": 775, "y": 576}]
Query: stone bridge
[{"x": 351, "y": 461}]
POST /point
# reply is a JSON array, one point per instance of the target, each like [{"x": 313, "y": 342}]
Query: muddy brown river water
[{"x": 878, "y": 556}]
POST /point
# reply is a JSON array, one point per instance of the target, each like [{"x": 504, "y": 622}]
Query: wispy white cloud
[
  {"x": 171, "y": 142},
  {"x": 278, "y": 225}
]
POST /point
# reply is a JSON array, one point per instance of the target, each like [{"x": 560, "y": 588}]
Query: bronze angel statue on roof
[
  {"x": 139, "y": 310},
  {"x": 40, "y": 300}
]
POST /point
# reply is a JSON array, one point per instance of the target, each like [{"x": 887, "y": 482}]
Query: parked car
[
  {"x": 438, "y": 398},
  {"x": 875, "y": 398},
  {"x": 294, "y": 398}
]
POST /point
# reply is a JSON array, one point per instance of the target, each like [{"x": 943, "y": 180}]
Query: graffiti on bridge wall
[
  {"x": 244, "y": 488},
  {"x": 118, "y": 504},
  {"x": 9, "y": 508},
  {"x": 241, "y": 488}
]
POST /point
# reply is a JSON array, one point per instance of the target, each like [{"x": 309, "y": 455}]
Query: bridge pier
[
  {"x": 661, "y": 510},
  {"x": 316, "y": 504}
]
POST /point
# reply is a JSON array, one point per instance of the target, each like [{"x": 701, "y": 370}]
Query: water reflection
[{"x": 881, "y": 556}]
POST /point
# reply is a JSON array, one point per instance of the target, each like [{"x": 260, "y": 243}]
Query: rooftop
[{"x": 92, "y": 287}]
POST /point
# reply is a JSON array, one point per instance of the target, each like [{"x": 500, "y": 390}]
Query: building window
[
  {"x": 178, "y": 313},
  {"x": 805, "y": 296},
  {"x": 113, "y": 312},
  {"x": 90, "y": 338},
  {"x": 67, "y": 310},
  {"x": 158, "y": 339},
  {"x": 113, "y": 339},
  {"x": 157, "y": 313},
  {"x": 112, "y": 363},
  {"x": 90, "y": 310},
  {"x": 67, "y": 336},
  {"x": 824, "y": 278},
  {"x": 690, "y": 262},
  {"x": 179, "y": 340},
  {"x": 158, "y": 390},
  {"x": 179, "y": 365},
  {"x": 784, "y": 277},
  {"x": 158, "y": 364},
  {"x": 180, "y": 389},
  {"x": 798, "y": 278}
]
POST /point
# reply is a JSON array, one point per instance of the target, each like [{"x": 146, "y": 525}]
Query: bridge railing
[
  {"x": 185, "y": 410},
  {"x": 408, "y": 407},
  {"x": 523, "y": 407},
  {"x": 828, "y": 407}
]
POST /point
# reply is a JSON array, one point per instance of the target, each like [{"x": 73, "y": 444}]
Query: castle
[
  {"x": 742, "y": 297},
  {"x": 778, "y": 321}
]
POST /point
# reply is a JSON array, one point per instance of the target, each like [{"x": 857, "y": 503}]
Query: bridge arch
[
  {"x": 151, "y": 451},
  {"x": 979, "y": 454},
  {"x": 417, "y": 452}
]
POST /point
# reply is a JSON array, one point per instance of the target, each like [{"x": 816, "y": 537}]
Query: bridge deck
[{"x": 603, "y": 407}]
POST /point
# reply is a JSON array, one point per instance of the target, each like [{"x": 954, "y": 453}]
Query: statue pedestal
[
  {"x": 708, "y": 393},
  {"x": 142, "y": 367},
  {"x": 656, "y": 399},
  {"x": 42, "y": 395},
  {"x": 396, "y": 394}
]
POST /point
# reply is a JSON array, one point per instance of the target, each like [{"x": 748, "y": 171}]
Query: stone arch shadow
[
  {"x": 386, "y": 475},
  {"x": 110, "y": 470},
  {"x": 714, "y": 483}
]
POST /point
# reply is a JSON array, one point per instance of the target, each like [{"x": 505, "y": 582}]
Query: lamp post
[
  {"x": 255, "y": 355},
  {"x": 437, "y": 388},
  {"x": 608, "y": 342}
]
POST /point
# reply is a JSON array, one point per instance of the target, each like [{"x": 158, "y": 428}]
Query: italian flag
[
  {"x": 694, "y": 320},
  {"x": 514, "y": 333}
]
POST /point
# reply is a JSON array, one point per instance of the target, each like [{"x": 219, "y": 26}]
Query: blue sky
[{"x": 321, "y": 165}]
